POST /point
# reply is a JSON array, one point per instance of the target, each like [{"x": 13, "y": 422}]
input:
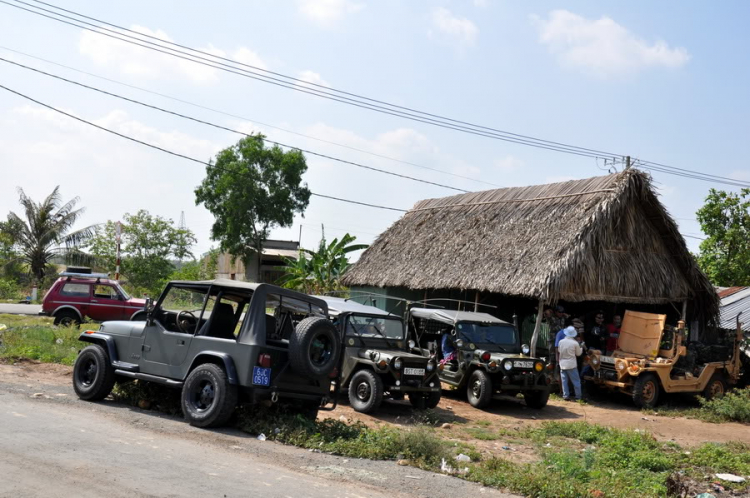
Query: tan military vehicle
[{"x": 652, "y": 358}]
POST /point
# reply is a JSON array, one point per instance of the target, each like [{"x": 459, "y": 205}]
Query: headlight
[
  {"x": 459, "y": 343},
  {"x": 525, "y": 349},
  {"x": 621, "y": 365},
  {"x": 508, "y": 365},
  {"x": 397, "y": 364},
  {"x": 594, "y": 360},
  {"x": 430, "y": 366},
  {"x": 539, "y": 366},
  {"x": 411, "y": 344}
]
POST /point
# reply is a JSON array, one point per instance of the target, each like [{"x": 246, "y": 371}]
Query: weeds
[{"x": 36, "y": 338}]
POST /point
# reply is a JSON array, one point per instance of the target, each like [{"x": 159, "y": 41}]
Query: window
[
  {"x": 368, "y": 326},
  {"x": 284, "y": 313},
  {"x": 75, "y": 290},
  {"x": 485, "y": 333},
  {"x": 106, "y": 292}
]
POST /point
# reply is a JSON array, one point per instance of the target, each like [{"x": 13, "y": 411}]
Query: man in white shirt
[{"x": 570, "y": 350}]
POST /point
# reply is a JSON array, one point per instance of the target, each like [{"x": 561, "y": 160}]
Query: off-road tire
[
  {"x": 365, "y": 391},
  {"x": 305, "y": 356},
  {"x": 309, "y": 409},
  {"x": 536, "y": 399},
  {"x": 432, "y": 399},
  {"x": 646, "y": 391},
  {"x": 716, "y": 387},
  {"x": 93, "y": 374},
  {"x": 208, "y": 399},
  {"x": 67, "y": 318},
  {"x": 479, "y": 389},
  {"x": 418, "y": 400},
  {"x": 591, "y": 389}
]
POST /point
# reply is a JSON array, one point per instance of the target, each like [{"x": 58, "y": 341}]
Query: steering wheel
[{"x": 179, "y": 321}]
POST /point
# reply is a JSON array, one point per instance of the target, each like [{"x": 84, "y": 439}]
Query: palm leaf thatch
[{"x": 605, "y": 238}]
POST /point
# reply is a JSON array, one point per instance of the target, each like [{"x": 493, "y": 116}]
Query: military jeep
[
  {"x": 376, "y": 363},
  {"x": 221, "y": 342},
  {"x": 652, "y": 357},
  {"x": 489, "y": 359}
]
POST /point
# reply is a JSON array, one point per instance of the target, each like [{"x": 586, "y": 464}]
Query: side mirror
[{"x": 147, "y": 305}]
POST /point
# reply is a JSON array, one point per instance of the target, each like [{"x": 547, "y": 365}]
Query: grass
[
  {"x": 732, "y": 407},
  {"x": 35, "y": 338}
]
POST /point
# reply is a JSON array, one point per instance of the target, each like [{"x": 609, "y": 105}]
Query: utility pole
[
  {"x": 118, "y": 232},
  {"x": 627, "y": 162}
]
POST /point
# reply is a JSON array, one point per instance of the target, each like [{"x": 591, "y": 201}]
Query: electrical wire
[
  {"x": 214, "y": 125},
  {"x": 167, "y": 151}
]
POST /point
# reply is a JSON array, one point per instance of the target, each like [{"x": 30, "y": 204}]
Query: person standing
[
  {"x": 596, "y": 338},
  {"x": 613, "y": 334},
  {"x": 569, "y": 350}
]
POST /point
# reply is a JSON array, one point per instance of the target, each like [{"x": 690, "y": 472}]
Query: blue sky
[{"x": 663, "y": 81}]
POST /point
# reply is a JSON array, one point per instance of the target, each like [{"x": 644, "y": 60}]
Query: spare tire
[{"x": 314, "y": 347}]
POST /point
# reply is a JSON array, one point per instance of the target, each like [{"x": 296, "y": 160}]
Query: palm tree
[
  {"x": 319, "y": 271},
  {"x": 45, "y": 234}
]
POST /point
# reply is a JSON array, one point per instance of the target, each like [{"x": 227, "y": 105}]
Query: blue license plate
[{"x": 261, "y": 376}]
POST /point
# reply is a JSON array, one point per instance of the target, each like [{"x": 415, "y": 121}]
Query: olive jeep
[
  {"x": 376, "y": 363},
  {"x": 652, "y": 358},
  {"x": 221, "y": 342},
  {"x": 488, "y": 359}
]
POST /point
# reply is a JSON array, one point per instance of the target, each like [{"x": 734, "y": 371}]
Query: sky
[{"x": 663, "y": 82}]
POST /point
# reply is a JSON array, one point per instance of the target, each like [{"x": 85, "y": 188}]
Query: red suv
[{"x": 75, "y": 296}]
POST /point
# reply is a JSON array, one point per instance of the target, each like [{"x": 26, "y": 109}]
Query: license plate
[
  {"x": 523, "y": 364},
  {"x": 261, "y": 376},
  {"x": 413, "y": 371},
  {"x": 607, "y": 359}
]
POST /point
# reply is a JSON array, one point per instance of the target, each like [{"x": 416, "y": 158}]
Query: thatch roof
[{"x": 605, "y": 238}]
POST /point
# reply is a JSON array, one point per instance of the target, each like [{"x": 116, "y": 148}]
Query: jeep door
[{"x": 106, "y": 304}]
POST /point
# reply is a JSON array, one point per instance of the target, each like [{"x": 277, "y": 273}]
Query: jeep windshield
[
  {"x": 369, "y": 326},
  {"x": 488, "y": 334}
]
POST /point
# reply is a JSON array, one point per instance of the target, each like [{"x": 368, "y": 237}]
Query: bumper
[
  {"x": 43, "y": 313},
  {"x": 524, "y": 381},
  {"x": 412, "y": 389}
]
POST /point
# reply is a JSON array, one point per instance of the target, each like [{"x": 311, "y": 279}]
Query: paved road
[
  {"x": 52, "y": 444},
  {"x": 20, "y": 309}
]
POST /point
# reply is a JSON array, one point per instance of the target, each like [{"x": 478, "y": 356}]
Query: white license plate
[
  {"x": 413, "y": 371},
  {"x": 523, "y": 364},
  {"x": 607, "y": 359}
]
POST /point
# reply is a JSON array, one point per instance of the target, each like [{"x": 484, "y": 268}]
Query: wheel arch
[
  {"x": 222, "y": 360},
  {"x": 68, "y": 307},
  {"x": 136, "y": 313},
  {"x": 105, "y": 341}
]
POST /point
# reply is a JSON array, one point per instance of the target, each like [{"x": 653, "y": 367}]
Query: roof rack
[{"x": 90, "y": 276}]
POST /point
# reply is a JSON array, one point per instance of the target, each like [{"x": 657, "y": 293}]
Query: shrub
[
  {"x": 9, "y": 289},
  {"x": 733, "y": 406}
]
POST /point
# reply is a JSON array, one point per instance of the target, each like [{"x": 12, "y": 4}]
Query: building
[
  {"x": 735, "y": 302},
  {"x": 603, "y": 242},
  {"x": 272, "y": 263}
]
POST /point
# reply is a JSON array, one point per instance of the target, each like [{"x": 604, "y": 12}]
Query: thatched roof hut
[{"x": 606, "y": 238}]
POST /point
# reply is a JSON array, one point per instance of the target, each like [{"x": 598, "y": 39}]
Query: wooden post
[
  {"x": 684, "y": 311},
  {"x": 476, "y": 302},
  {"x": 537, "y": 326}
]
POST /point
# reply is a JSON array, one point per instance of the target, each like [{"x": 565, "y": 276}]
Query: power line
[
  {"x": 225, "y": 128},
  {"x": 349, "y": 98},
  {"x": 268, "y": 125},
  {"x": 167, "y": 151}
]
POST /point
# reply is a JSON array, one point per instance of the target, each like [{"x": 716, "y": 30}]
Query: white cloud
[
  {"x": 602, "y": 46},
  {"x": 138, "y": 61},
  {"x": 481, "y": 3},
  {"x": 313, "y": 77},
  {"x": 508, "y": 163},
  {"x": 327, "y": 12},
  {"x": 459, "y": 30}
]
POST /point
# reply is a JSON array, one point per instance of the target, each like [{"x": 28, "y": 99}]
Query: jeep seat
[{"x": 221, "y": 323}]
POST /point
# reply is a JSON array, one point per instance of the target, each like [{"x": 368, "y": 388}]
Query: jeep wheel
[
  {"x": 536, "y": 399},
  {"x": 93, "y": 375},
  {"x": 646, "y": 391},
  {"x": 314, "y": 347},
  {"x": 67, "y": 318},
  {"x": 716, "y": 387},
  {"x": 479, "y": 389},
  {"x": 309, "y": 409},
  {"x": 208, "y": 400},
  {"x": 365, "y": 391},
  {"x": 422, "y": 401}
]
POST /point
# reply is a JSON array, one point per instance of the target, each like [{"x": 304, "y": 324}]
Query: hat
[
  {"x": 559, "y": 309},
  {"x": 570, "y": 332}
]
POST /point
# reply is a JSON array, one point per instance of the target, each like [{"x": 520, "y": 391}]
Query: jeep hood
[
  {"x": 121, "y": 327},
  {"x": 641, "y": 333},
  {"x": 389, "y": 354}
]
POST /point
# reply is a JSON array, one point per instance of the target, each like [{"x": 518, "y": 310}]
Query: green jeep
[
  {"x": 376, "y": 363},
  {"x": 221, "y": 342},
  {"x": 480, "y": 353}
]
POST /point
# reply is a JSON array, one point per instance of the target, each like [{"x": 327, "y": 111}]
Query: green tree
[
  {"x": 251, "y": 189},
  {"x": 148, "y": 243},
  {"x": 725, "y": 254},
  {"x": 44, "y": 232},
  {"x": 320, "y": 271}
]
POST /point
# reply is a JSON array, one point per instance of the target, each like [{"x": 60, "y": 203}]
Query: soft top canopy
[
  {"x": 452, "y": 317},
  {"x": 338, "y": 305}
]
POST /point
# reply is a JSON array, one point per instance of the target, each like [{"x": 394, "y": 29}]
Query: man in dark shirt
[{"x": 596, "y": 337}]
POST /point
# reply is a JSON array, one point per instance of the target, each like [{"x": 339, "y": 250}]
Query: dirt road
[{"x": 52, "y": 444}]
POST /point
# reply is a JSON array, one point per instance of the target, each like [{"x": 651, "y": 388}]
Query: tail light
[
  {"x": 486, "y": 356},
  {"x": 264, "y": 360}
]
